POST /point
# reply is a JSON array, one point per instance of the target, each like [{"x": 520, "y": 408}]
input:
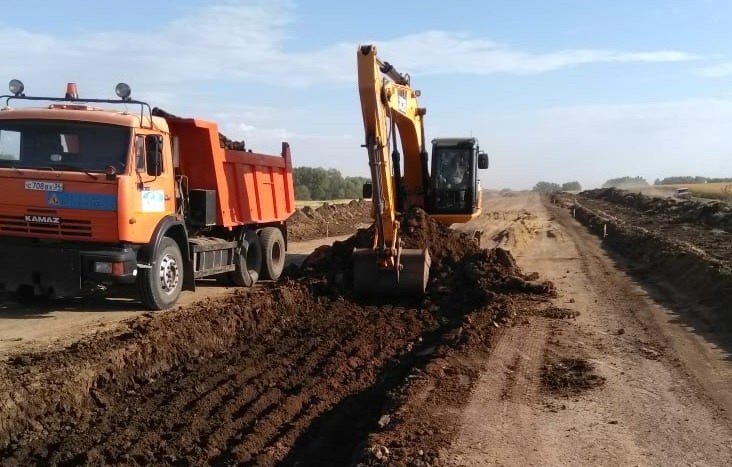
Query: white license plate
[{"x": 43, "y": 186}]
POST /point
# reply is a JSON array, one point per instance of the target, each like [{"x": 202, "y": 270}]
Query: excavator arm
[{"x": 390, "y": 108}]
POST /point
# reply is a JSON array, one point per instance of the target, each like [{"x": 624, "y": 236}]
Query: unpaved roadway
[
  {"x": 50, "y": 324},
  {"x": 667, "y": 395},
  {"x": 620, "y": 371}
]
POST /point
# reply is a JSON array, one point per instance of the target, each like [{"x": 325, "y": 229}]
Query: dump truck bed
[{"x": 250, "y": 188}]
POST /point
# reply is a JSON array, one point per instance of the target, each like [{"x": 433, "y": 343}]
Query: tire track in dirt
[{"x": 293, "y": 373}]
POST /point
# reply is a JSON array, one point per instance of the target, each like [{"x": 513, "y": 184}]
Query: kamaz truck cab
[{"x": 91, "y": 197}]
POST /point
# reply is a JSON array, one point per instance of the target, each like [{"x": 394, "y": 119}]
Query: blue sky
[{"x": 554, "y": 90}]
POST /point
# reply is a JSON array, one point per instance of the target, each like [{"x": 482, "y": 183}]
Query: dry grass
[{"x": 721, "y": 191}]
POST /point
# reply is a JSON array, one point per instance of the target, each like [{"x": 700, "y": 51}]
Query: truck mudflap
[{"x": 59, "y": 271}]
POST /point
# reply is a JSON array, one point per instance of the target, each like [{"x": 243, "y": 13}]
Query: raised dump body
[{"x": 95, "y": 197}]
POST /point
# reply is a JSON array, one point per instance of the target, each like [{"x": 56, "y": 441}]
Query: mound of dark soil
[
  {"x": 696, "y": 261},
  {"x": 569, "y": 376},
  {"x": 711, "y": 213},
  {"x": 461, "y": 271},
  {"x": 225, "y": 142},
  {"x": 328, "y": 220},
  {"x": 295, "y": 373}
]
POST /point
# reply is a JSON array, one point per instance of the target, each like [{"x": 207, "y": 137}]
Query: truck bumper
[{"x": 63, "y": 270}]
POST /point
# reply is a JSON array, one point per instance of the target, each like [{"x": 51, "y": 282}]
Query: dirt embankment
[
  {"x": 669, "y": 241},
  {"x": 328, "y": 220},
  {"x": 296, "y": 373},
  {"x": 711, "y": 213}
]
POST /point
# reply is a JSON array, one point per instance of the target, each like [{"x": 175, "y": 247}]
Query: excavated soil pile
[
  {"x": 458, "y": 263},
  {"x": 569, "y": 376},
  {"x": 692, "y": 256},
  {"x": 225, "y": 142},
  {"x": 711, "y": 213},
  {"x": 295, "y": 373},
  {"x": 328, "y": 220},
  {"x": 473, "y": 292}
]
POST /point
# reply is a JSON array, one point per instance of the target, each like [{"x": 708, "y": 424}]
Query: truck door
[{"x": 154, "y": 169}]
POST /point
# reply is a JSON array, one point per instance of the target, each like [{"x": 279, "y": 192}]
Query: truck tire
[
  {"x": 160, "y": 286},
  {"x": 273, "y": 250},
  {"x": 249, "y": 262}
]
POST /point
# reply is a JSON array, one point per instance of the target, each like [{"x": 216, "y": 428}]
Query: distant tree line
[
  {"x": 317, "y": 183},
  {"x": 689, "y": 180},
  {"x": 548, "y": 187},
  {"x": 625, "y": 182}
]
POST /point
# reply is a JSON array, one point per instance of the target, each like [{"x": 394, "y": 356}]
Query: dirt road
[
  {"x": 26, "y": 327},
  {"x": 666, "y": 396},
  {"x": 493, "y": 367}
]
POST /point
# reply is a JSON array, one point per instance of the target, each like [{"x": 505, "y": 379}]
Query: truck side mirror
[
  {"x": 368, "y": 190},
  {"x": 482, "y": 160},
  {"x": 154, "y": 156}
]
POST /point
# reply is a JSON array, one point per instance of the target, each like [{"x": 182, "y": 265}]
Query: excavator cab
[{"x": 455, "y": 187}]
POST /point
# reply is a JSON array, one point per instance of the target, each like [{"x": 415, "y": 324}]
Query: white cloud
[
  {"x": 241, "y": 41},
  {"x": 719, "y": 70},
  {"x": 449, "y": 52},
  {"x": 226, "y": 46}
]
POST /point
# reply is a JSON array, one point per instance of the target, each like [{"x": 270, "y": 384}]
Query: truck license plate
[{"x": 43, "y": 186}]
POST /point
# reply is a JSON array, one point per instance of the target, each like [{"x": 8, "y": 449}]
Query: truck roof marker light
[
  {"x": 16, "y": 87},
  {"x": 123, "y": 91},
  {"x": 71, "y": 91}
]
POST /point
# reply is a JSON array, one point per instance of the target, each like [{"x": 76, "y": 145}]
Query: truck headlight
[
  {"x": 16, "y": 87},
  {"x": 103, "y": 267},
  {"x": 123, "y": 91}
]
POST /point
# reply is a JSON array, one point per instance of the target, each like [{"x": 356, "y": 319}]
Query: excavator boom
[{"x": 389, "y": 104}]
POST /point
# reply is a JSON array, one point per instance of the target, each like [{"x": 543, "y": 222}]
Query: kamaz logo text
[{"x": 42, "y": 219}]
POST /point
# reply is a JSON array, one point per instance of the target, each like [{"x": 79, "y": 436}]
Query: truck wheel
[
  {"x": 249, "y": 262},
  {"x": 273, "y": 250},
  {"x": 160, "y": 286}
]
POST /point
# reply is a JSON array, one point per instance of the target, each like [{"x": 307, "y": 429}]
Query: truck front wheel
[
  {"x": 249, "y": 261},
  {"x": 160, "y": 286},
  {"x": 273, "y": 249}
]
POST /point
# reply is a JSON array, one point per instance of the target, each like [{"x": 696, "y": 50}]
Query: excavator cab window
[{"x": 453, "y": 179}]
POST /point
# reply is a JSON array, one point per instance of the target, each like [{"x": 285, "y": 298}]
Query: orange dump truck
[{"x": 93, "y": 197}]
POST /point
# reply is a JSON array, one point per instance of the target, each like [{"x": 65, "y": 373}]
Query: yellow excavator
[{"x": 451, "y": 194}]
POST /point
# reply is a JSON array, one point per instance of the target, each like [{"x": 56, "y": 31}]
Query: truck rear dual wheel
[
  {"x": 160, "y": 285},
  {"x": 273, "y": 250},
  {"x": 249, "y": 262}
]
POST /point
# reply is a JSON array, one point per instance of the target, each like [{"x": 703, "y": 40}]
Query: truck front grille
[{"x": 66, "y": 227}]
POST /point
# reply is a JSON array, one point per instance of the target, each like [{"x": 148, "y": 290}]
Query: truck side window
[
  {"x": 9, "y": 145},
  {"x": 154, "y": 154},
  {"x": 140, "y": 153}
]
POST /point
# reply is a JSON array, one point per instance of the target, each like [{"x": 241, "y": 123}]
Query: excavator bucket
[{"x": 370, "y": 279}]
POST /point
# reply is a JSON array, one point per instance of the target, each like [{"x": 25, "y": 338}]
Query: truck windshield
[{"x": 40, "y": 144}]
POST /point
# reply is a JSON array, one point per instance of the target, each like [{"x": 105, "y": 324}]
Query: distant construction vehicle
[
  {"x": 451, "y": 194},
  {"x": 95, "y": 197}
]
